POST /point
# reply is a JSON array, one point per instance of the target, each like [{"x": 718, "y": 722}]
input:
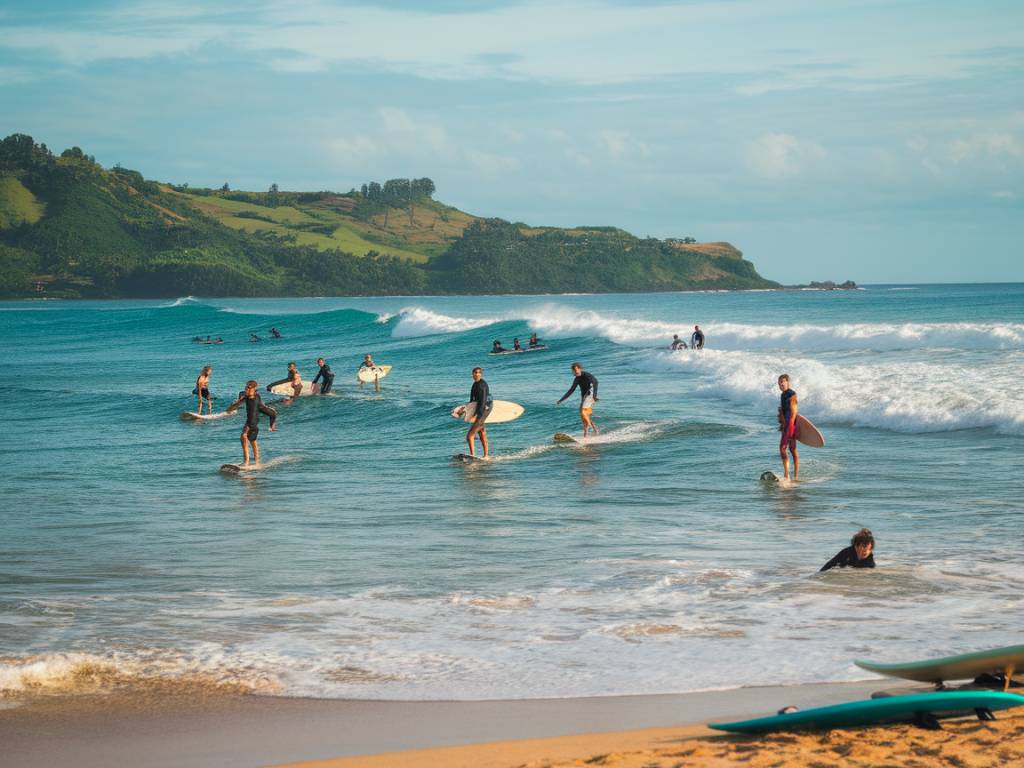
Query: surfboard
[
  {"x": 370, "y": 375},
  {"x": 877, "y": 711},
  {"x": 519, "y": 351},
  {"x": 234, "y": 469},
  {"x": 562, "y": 437},
  {"x": 193, "y": 416},
  {"x": 465, "y": 458},
  {"x": 807, "y": 433},
  {"x": 966, "y": 666},
  {"x": 501, "y": 411},
  {"x": 286, "y": 390}
]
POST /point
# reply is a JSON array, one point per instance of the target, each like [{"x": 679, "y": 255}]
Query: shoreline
[{"x": 182, "y": 729}]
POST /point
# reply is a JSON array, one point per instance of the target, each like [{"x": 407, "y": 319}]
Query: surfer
[
  {"x": 480, "y": 394},
  {"x": 697, "y": 338},
  {"x": 677, "y": 343},
  {"x": 250, "y": 432},
  {"x": 326, "y": 374},
  {"x": 515, "y": 344},
  {"x": 275, "y": 333},
  {"x": 534, "y": 341},
  {"x": 202, "y": 391},
  {"x": 254, "y": 338},
  {"x": 293, "y": 378},
  {"x": 496, "y": 347},
  {"x": 787, "y": 426},
  {"x": 587, "y": 384},
  {"x": 860, "y": 553},
  {"x": 368, "y": 361}
]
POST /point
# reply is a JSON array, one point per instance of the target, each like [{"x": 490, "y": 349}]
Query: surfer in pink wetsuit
[{"x": 787, "y": 426}]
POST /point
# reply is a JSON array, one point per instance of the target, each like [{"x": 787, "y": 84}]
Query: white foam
[
  {"x": 418, "y": 321},
  {"x": 181, "y": 301}
]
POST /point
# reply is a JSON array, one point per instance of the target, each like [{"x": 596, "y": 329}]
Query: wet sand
[{"x": 199, "y": 729}]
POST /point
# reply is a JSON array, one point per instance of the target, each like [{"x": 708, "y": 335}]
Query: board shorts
[
  {"x": 587, "y": 402},
  {"x": 482, "y": 417},
  {"x": 251, "y": 432},
  {"x": 205, "y": 393}
]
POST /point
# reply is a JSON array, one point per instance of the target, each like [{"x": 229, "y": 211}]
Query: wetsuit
[
  {"x": 481, "y": 395},
  {"x": 587, "y": 383},
  {"x": 253, "y": 408},
  {"x": 328, "y": 376},
  {"x": 785, "y": 414},
  {"x": 697, "y": 340},
  {"x": 848, "y": 558}
]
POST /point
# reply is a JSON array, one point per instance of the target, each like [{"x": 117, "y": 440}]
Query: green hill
[{"x": 69, "y": 227}]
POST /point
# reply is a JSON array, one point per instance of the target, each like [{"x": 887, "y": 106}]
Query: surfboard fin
[
  {"x": 927, "y": 720},
  {"x": 984, "y": 714}
]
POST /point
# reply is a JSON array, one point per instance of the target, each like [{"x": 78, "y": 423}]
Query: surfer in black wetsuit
[
  {"x": 697, "y": 338},
  {"x": 860, "y": 553},
  {"x": 480, "y": 395},
  {"x": 787, "y": 426},
  {"x": 253, "y": 408},
  {"x": 496, "y": 347},
  {"x": 326, "y": 374},
  {"x": 254, "y": 338},
  {"x": 587, "y": 384},
  {"x": 677, "y": 343},
  {"x": 202, "y": 391},
  {"x": 275, "y": 333}
]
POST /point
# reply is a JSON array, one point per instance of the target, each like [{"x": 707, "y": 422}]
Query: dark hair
[
  {"x": 863, "y": 536},
  {"x": 786, "y": 377},
  {"x": 478, "y": 368},
  {"x": 251, "y": 383},
  {"x": 576, "y": 365}
]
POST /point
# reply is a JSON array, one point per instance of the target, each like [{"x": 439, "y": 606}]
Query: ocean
[{"x": 362, "y": 562}]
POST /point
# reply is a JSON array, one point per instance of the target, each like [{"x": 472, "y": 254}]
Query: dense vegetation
[{"x": 69, "y": 227}]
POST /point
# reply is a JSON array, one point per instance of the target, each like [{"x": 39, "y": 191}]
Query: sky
[{"x": 847, "y": 139}]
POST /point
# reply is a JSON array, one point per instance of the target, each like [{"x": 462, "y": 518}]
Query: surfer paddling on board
[
  {"x": 787, "y": 426},
  {"x": 202, "y": 391},
  {"x": 496, "y": 347},
  {"x": 697, "y": 338},
  {"x": 326, "y": 374},
  {"x": 480, "y": 394},
  {"x": 860, "y": 553},
  {"x": 251, "y": 431},
  {"x": 587, "y": 384}
]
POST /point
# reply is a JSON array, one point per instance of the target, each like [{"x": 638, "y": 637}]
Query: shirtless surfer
[
  {"x": 480, "y": 394},
  {"x": 202, "y": 391},
  {"x": 250, "y": 432},
  {"x": 787, "y": 426},
  {"x": 294, "y": 380},
  {"x": 587, "y": 384}
]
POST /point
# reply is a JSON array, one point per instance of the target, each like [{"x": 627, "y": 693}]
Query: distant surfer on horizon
[
  {"x": 515, "y": 344},
  {"x": 254, "y": 338},
  {"x": 496, "y": 347},
  {"x": 202, "y": 391},
  {"x": 787, "y": 426},
  {"x": 251, "y": 431},
  {"x": 697, "y": 338},
  {"x": 534, "y": 341},
  {"x": 480, "y": 394},
  {"x": 275, "y": 333},
  {"x": 860, "y": 553},
  {"x": 587, "y": 384},
  {"x": 326, "y": 374},
  {"x": 677, "y": 343}
]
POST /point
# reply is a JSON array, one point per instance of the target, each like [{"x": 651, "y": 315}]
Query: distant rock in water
[{"x": 828, "y": 285}]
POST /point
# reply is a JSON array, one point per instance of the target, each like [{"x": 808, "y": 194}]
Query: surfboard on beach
[
  {"x": 966, "y": 666},
  {"x": 501, "y": 411},
  {"x": 923, "y": 708},
  {"x": 370, "y": 375},
  {"x": 193, "y": 416}
]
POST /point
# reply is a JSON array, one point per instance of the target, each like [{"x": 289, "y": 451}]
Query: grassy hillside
[{"x": 73, "y": 228}]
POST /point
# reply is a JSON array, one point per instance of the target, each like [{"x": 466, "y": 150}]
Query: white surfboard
[
  {"x": 501, "y": 411},
  {"x": 287, "y": 390},
  {"x": 370, "y": 375},
  {"x": 193, "y": 416},
  {"x": 807, "y": 433}
]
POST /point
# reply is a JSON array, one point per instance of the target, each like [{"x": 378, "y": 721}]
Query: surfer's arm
[
  {"x": 593, "y": 391},
  {"x": 268, "y": 411},
  {"x": 791, "y": 426},
  {"x": 572, "y": 389},
  {"x": 234, "y": 406},
  {"x": 841, "y": 560}
]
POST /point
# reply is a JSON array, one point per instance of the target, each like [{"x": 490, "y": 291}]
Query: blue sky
[{"x": 878, "y": 141}]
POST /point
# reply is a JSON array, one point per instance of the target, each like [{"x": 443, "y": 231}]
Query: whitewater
[{"x": 364, "y": 563}]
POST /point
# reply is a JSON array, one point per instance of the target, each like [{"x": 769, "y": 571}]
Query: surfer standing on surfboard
[
  {"x": 480, "y": 394},
  {"x": 587, "y": 383},
  {"x": 251, "y": 431},
  {"x": 787, "y": 425},
  {"x": 202, "y": 390}
]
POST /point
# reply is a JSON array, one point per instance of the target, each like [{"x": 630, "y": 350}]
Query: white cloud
[
  {"x": 622, "y": 145},
  {"x": 493, "y": 165},
  {"x": 778, "y": 155}
]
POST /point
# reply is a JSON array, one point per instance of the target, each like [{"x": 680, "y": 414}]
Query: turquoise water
[{"x": 362, "y": 562}]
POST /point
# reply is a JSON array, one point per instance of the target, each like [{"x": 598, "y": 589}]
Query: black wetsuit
[
  {"x": 697, "y": 340},
  {"x": 328, "y": 377},
  {"x": 481, "y": 395},
  {"x": 848, "y": 558},
  {"x": 785, "y": 409},
  {"x": 587, "y": 383},
  {"x": 253, "y": 408}
]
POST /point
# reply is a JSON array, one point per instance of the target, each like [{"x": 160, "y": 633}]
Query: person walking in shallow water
[{"x": 787, "y": 426}]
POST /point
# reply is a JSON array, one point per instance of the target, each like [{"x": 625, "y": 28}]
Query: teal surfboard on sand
[
  {"x": 915, "y": 707},
  {"x": 966, "y": 666}
]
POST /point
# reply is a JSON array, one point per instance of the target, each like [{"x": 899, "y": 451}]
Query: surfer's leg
[
  {"x": 785, "y": 457},
  {"x": 796, "y": 458},
  {"x": 469, "y": 438},
  {"x": 483, "y": 440},
  {"x": 255, "y": 452},
  {"x": 245, "y": 445}
]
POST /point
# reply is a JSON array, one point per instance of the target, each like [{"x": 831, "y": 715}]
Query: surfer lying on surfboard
[
  {"x": 787, "y": 425},
  {"x": 251, "y": 431},
  {"x": 202, "y": 390},
  {"x": 860, "y": 553},
  {"x": 480, "y": 394},
  {"x": 587, "y": 383}
]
